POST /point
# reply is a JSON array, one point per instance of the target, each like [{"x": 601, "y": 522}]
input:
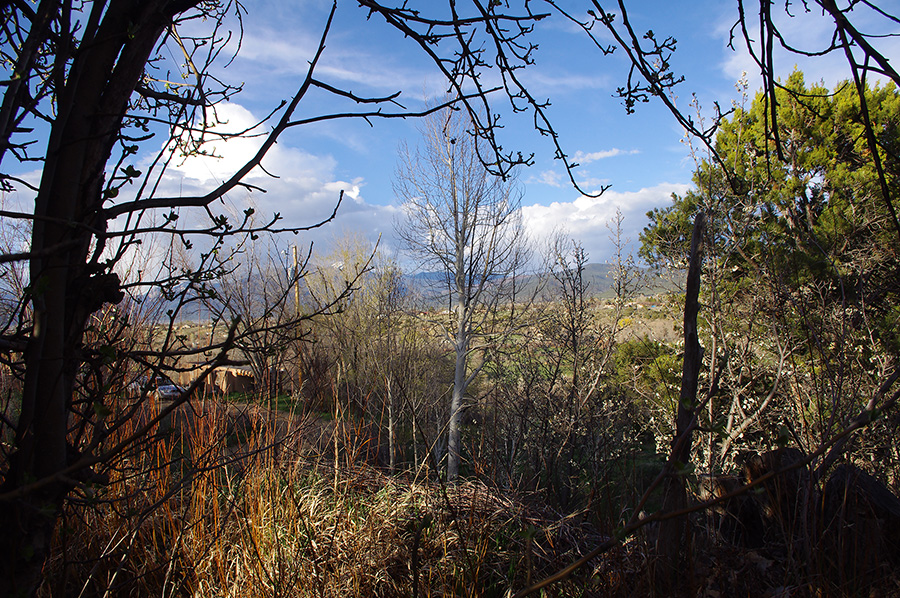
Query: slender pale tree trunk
[
  {"x": 459, "y": 389},
  {"x": 461, "y": 340}
]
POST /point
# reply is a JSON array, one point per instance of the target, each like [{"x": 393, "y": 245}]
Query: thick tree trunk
[
  {"x": 673, "y": 538},
  {"x": 66, "y": 287}
]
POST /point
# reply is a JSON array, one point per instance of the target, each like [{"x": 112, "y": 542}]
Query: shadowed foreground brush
[{"x": 200, "y": 514}]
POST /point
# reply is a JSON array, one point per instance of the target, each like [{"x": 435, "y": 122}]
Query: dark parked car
[
  {"x": 167, "y": 391},
  {"x": 159, "y": 387}
]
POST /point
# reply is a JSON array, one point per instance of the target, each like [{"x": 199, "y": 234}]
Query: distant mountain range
[{"x": 429, "y": 286}]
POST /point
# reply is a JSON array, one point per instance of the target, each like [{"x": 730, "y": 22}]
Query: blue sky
[{"x": 642, "y": 156}]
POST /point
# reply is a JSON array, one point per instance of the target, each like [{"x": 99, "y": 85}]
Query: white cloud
[
  {"x": 586, "y": 158},
  {"x": 593, "y": 183},
  {"x": 553, "y": 178},
  {"x": 547, "y": 177},
  {"x": 342, "y": 64},
  {"x": 585, "y": 218},
  {"x": 302, "y": 187},
  {"x": 222, "y": 158}
]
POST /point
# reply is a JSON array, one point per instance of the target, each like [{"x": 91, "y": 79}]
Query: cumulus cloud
[
  {"x": 585, "y": 218},
  {"x": 222, "y": 157},
  {"x": 301, "y": 186}
]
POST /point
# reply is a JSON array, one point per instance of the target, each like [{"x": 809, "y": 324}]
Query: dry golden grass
[{"x": 201, "y": 514}]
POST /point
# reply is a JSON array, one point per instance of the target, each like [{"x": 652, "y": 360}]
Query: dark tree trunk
[
  {"x": 673, "y": 539},
  {"x": 68, "y": 281}
]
